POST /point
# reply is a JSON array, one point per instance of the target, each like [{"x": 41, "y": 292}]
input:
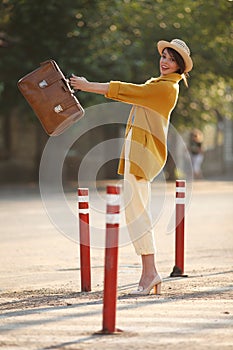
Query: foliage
[{"x": 116, "y": 40}]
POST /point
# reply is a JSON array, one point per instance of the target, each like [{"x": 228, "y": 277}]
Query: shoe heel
[{"x": 157, "y": 288}]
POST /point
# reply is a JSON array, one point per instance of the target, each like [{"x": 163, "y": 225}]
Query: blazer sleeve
[{"x": 152, "y": 94}]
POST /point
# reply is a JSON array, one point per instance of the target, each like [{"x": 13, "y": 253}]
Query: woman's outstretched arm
[{"x": 80, "y": 83}]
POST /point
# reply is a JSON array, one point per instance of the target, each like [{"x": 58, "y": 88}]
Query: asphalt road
[{"x": 41, "y": 306}]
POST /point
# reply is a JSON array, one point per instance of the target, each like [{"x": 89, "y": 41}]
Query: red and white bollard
[
  {"x": 178, "y": 269},
  {"x": 111, "y": 260},
  {"x": 84, "y": 236}
]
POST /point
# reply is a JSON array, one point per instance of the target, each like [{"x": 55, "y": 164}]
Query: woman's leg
[
  {"x": 137, "y": 213},
  {"x": 148, "y": 270},
  {"x": 140, "y": 226},
  {"x": 137, "y": 195}
]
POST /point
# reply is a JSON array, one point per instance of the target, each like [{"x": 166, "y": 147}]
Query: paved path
[{"x": 41, "y": 306}]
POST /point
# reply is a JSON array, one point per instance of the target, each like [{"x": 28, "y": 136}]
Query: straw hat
[{"x": 181, "y": 48}]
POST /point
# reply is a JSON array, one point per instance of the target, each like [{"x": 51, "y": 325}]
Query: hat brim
[{"x": 161, "y": 45}]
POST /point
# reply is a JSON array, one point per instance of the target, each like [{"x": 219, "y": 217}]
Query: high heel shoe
[{"x": 156, "y": 284}]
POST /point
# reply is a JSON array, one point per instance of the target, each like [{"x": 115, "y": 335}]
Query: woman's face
[{"x": 168, "y": 64}]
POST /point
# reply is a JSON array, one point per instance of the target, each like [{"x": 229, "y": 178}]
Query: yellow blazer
[{"x": 152, "y": 103}]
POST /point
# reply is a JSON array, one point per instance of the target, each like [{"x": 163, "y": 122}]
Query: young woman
[{"x": 145, "y": 150}]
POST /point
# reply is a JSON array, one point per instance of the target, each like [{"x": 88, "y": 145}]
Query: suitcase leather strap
[
  {"x": 65, "y": 105},
  {"x": 49, "y": 80}
]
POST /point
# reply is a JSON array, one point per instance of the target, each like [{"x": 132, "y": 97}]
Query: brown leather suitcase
[{"x": 48, "y": 93}]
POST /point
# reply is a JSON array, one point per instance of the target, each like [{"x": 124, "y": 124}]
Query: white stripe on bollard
[
  {"x": 83, "y": 199},
  {"x": 180, "y": 189},
  {"x": 112, "y": 219},
  {"x": 113, "y": 199},
  {"x": 83, "y": 211},
  {"x": 180, "y": 200}
]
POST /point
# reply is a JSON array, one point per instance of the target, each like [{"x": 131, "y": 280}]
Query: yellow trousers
[{"x": 137, "y": 198}]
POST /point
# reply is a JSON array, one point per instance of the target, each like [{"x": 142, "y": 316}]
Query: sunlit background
[{"x": 115, "y": 40}]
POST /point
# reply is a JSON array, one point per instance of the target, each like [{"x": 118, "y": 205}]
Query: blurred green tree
[{"x": 116, "y": 39}]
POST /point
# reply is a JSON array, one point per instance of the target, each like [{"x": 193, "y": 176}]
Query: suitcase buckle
[
  {"x": 58, "y": 109},
  {"x": 42, "y": 84}
]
